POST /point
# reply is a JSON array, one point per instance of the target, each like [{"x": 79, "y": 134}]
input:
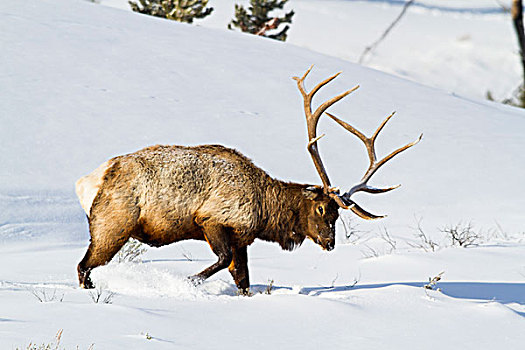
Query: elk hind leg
[
  {"x": 106, "y": 241},
  {"x": 98, "y": 254}
]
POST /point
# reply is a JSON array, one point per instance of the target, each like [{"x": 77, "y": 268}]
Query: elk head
[
  {"x": 322, "y": 213},
  {"x": 330, "y": 199}
]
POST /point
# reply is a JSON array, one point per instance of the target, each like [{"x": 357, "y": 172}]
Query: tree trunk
[{"x": 517, "y": 19}]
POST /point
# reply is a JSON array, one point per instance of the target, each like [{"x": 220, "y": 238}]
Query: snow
[{"x": 83, "y": 82}]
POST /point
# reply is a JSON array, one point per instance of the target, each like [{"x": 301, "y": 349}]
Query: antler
[
  {"x": 313, "y": 118},
  {"x": 373, "y": 167}
]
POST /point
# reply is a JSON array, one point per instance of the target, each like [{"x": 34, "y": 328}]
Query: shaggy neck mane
[{"x": 281, "y": 212}]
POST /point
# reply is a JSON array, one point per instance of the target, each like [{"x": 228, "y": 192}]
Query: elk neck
[{"x": 282, "y": 212}]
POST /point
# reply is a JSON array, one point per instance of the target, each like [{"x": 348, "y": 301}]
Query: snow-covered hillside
[
  {"x": 82, "y": 83},
  {"x": 462, "y": 46}
]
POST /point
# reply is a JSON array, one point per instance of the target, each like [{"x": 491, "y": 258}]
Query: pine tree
[
  {"x": 255, "y": 20},
  {"x": 177, "y": 10}
]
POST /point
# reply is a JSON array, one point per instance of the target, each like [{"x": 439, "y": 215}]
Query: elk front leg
[
  {"x": 218, "y": 238},
  {"x": 239, "y": 269}
]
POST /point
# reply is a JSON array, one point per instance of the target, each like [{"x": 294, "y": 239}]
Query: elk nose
[{"x": 329, "y": 244}]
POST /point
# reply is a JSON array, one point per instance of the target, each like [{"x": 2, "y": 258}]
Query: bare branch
[{"x": 368, "y": 49}]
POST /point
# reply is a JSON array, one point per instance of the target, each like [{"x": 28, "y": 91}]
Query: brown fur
[{"x": 164, "y": 194}]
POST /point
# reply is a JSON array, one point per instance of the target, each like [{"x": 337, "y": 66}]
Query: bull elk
[{"x": 164, "y": 194}]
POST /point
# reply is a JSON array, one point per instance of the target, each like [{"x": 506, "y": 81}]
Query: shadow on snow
[{"x": 504, "y": 293}]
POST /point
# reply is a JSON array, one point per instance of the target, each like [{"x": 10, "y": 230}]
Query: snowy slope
[
  {"x": 82, "y": 83},
  {"x": 463, "y": 46}
]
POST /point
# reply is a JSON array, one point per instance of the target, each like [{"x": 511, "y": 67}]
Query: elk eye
[{"x": 320, "y": 210}]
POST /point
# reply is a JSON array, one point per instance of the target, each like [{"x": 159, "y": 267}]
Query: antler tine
[
  {"x": 370, "y": 146},
  {"x": 312, "y": 120},
  {"x": 308, "y": 96},
  {"x": 350, "y": 128},
  {"x": 382, "y": 126},
  {"x": 373, "y": 168},
  {"x": 323, "y": 83},
  {"x": 323, "y": 107},
  {"x": 300, "y": 82}
]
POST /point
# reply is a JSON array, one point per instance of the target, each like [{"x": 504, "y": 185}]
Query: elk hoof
[
  {"x": 87, "y": 284},
  {"x": 195, "y": 280},
  {"x": 245, "y": 292}
]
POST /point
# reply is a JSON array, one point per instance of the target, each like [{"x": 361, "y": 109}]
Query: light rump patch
[{"x": 87, "y": 186}]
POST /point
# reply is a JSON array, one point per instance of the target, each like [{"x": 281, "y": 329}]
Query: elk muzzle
[
  {"x": 327, "y": 244},
  {"x": 326, "y": 239}
]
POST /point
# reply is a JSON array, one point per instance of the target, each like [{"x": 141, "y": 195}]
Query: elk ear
[{"x": 311, "y": 192}]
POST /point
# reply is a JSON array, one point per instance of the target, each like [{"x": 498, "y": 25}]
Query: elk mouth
[{"x": 327, "y": 244}]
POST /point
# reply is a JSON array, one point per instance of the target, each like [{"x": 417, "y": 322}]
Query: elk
[{"x": 164, "y": 194}]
